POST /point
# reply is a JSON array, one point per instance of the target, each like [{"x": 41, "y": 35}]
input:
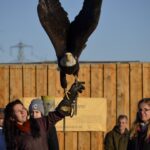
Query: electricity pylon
[{"x": 20, "y": 46}]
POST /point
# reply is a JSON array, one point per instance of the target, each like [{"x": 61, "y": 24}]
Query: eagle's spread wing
[
  {"x": 54, "y": 20},
  {"x": 68, "y": 37},
  {"x": 83, "y": 26}
]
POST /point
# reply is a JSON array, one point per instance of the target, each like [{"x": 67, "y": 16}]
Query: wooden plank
[
  {"x": 146, "y": 79},
  {"x": 84, "y": 141},
  {"x": 84, "y": 75},
  {"x": 58, "y": 93},
  {"x": 61, "y": 140},
  {"x": 110, "y": 93},
  {"x": 71, "y": 141},
  {"x": 123, "y": 89},
  {"x": 52, "y": 70},
  {"x": 97, "y": 141},
  {"x": 16, "y": 90},
  {"x": 54, "y": 89},
  {"x": 97, "y": 88},
  {"x": 29, "y": 87},
  {"x": 4, "y": 85},
  {"x": 97, "y": 83},
  {"x": 59, "y": 90},
  {"x": 41, "y": 80},
  {"x": 135, "y": 89}
]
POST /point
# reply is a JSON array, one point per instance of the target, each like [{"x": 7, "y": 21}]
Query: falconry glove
[{"x": 65, "y": 106}]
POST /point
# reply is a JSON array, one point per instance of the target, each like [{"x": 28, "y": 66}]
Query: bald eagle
[{"x": 68, "y": 38}]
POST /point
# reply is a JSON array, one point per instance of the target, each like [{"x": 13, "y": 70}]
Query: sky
[{"x": 123, "y": 32}]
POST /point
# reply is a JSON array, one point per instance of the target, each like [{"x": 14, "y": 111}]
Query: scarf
[{"x": 25, "y": 127}]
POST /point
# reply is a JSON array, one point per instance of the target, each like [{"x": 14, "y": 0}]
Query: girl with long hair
[{"x": 140, "y": 130}]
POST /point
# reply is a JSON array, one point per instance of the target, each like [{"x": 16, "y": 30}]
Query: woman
[
  {"x": 140, "y": 131},
  {"x": 22, "y": 133}
]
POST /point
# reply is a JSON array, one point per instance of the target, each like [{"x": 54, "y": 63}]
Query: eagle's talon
[
  {"x": 76, "y": 79},
  {"x": 66, "y": 93}
]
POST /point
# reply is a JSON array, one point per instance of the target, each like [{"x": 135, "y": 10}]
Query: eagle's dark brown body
[{"x": 68, "y": 36}]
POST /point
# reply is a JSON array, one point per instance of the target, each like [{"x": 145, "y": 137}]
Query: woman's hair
[
  {"x": 9, "y": 126},
  {"x": 136, "y": 123},
  {"x": 10, "y": 129}
]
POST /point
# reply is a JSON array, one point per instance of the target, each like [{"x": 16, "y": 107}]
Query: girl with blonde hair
[{"x": 140, "y": 131}]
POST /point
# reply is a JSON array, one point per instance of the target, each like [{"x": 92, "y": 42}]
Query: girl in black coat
[{"x": 140, "y": 131}]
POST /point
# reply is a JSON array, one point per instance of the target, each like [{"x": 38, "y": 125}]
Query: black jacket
[
  {"x": 53, "y": 139},
  {"x": 25, "y": 141},
  {"x": 139, "y": 142},
  {"x": 114, "y": 140}
]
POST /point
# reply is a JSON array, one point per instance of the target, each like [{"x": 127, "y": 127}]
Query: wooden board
[
  {"x": 122, "y": 89},
  {"x": 29, "y": 84},
  {"x": 91, "y": 115},
  {"x": 16, "y": 84},
  {"x": 4, "y": 85},
  {"x": 110, "y": 93},
  {"x": 135, "y": 89}
]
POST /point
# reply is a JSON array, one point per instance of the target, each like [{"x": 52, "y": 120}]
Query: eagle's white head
[{"x": 68, "y": 60}]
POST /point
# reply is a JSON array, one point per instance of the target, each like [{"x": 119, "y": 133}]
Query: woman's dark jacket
[
  {"x": 114, "y": 140},
  {"x": 139, "y": 142},
  {"x": 25, "y": 141},
  {"x": 53, "y": 139}
]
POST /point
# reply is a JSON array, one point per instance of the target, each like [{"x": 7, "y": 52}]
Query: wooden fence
[{"x": 123, "y": 84}]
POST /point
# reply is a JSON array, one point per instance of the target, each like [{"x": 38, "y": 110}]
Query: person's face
[
  {"x": 123, "y": 123},
  {"x": 144, "y": 112},
  {"x": 20, "y": 113},
  {"x": 36, "y": 114}
]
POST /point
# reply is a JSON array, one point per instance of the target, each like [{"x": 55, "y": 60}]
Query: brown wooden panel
[
  {"x": 70, "y": 137},
  {"x": 97, "y": 141},
  {"x": 135, "y": 88},
  {"x": 97, "y": 83},
  {"x": 146, "y": 80},
  {"x": 54, "y": 89},
  {"x": 71, "y": 141},
  {"x": 52, "y": 79},
  {"x": 29, "y": 87},
  {"x": 61, "y": 140},
  {"x": 4, "y": 85},
  {"x": 110, "y": 93},
  {"x": 97, "y": 88},
  {"x": 84, "y": 75},
  {"x": 123, "y": 89},
  {"x": 15, "y": 81},
  {"x": 41, "y": 80},
  {"x": 84, "y": 141},
  {"x": 59, "y": 89}
]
